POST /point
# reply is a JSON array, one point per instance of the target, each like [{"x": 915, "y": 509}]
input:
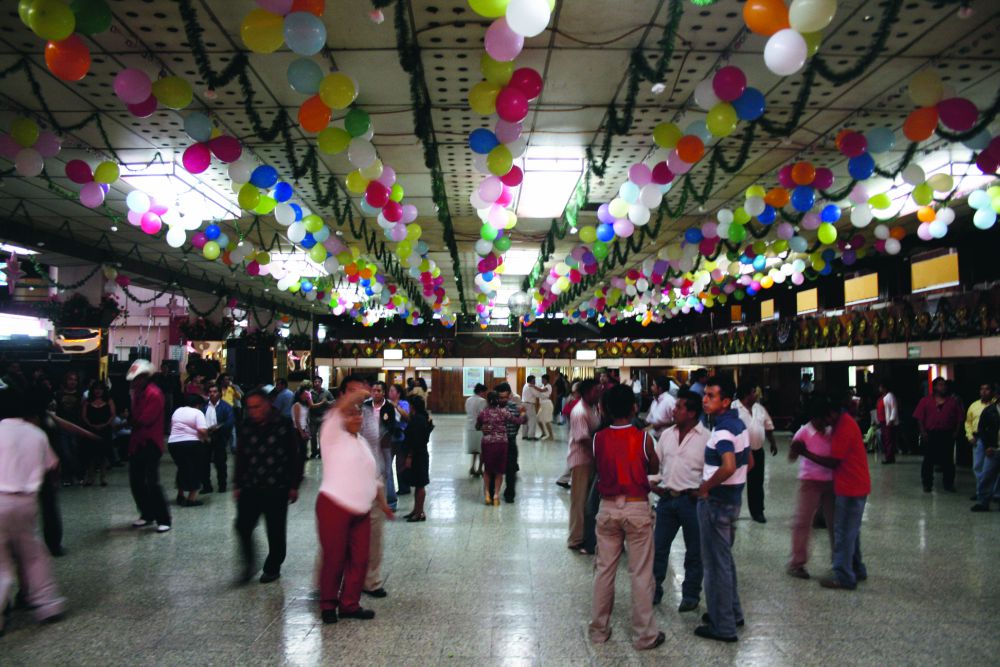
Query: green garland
[{"x": 62, "y": 287}]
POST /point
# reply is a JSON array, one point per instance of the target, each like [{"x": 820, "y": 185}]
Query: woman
[
  {"x": 98, "y": 416},
  {"x": 545, "y": 409},
  {"x": 815, "y": 485},
  {"x": 394, "y": 396},
  {"x": 417, "y": 461},
  {"x": 419, "y": 388},
  {"x": 473, "y": 438},
  {"x": 492, "y": 421},
  {"x": 300, "y": 412},
  {"x": 188, "y": 429}
]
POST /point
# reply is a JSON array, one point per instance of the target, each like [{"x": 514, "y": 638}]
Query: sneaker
[
  {"x": 359, "y": 613},
  {"x": 267, "y": 577},
  {"x": 141, "y": 523},
  {"x": 162, "y": 528},
  {"x": 706, "y": 632},
  {"x": 798, "y": 572}
]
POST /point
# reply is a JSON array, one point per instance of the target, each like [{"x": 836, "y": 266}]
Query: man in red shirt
[
  {"x": 941, "y": 418},
  {"x": 851, "y": 487},
  {"x": 145, "y": 448}
]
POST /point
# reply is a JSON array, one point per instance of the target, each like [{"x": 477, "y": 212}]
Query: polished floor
[{"x": 478, "y": 585}]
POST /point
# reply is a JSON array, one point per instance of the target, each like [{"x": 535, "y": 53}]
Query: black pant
[
  {"x": 189, "y": 457},
  {"x": 939, "y": 450},
  {"x": 314, "y": 426},
  {"x": 216, "y": 453},
  {"x": 52, "y": 526},
  {"x": 510, "y": 474},
  {"x": 399, "y": 453},
  {"x": 144, "y": 478},
  {"x": 755, "y": 484},
  {"x": 273, "y": 504}
]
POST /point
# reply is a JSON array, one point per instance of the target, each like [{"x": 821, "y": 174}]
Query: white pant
[
  {"x": 21, "y": 551},
  {"x": 530, "y": 428}
]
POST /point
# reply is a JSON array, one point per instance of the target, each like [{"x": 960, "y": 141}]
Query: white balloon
[
  {"x": 176, "y": 237},
  {"x": 946, "y": 215},
  {"x": 785, "y": 52},
  {"x": 528, "y": 18},
  {"x": 29, "y": 162},
  {"x": 724, "y": 216},
  {"x": 811, "y": 15},
  {"x": 881, "y": 232},
  {"x": 331, "y": 264},
  {"x": 518, "y": 147},
  {"x": 893, "y": 246},
  {"x": 638, "y": 215},
  {"x": 284, "y": 214},
  {"x": 361, "y": 153},
  {"x": 137, "y": 201},
  {"x": 479, "y": 162},
  {"x": 914, "y": 174},
  {"x": 861, "y": 215},
  {"x": 483, "y": 247},
  {"x": 239, "y": 172},
  {"x": 650, "y": 195},
  {"x": 296, "y": 232},
  {"x": 754, "y": 205},
  {"x": 704, "y": 95},
  {"x": 938, "y": 229}
]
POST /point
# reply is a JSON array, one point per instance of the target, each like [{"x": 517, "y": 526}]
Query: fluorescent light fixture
[
  {"x": 551, "y": 174},
  {"x": 422, "y": 368},
  {"x": 518, "y": 263},
  {"x": 392, "y": 355},
  {"x": 7, "y": 247},
  {"x": 395, "y": 368},
  {"x": 586, "y": 355}
]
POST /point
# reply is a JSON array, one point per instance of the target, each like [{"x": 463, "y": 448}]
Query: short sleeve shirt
[
  {"x": 817, "y": 442},
  {"x": 850, "y": 478}
]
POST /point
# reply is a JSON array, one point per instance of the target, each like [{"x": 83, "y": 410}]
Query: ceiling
[{"x": 583, "y": 58}]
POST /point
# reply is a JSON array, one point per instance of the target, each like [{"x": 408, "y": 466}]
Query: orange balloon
[
  {"x": 314, "y": 116},
  {"x": 765, "y": 17},
  {"x": 926, "y": 214},
  {"x": 68, "y": 59},
  {"x": 803, "y": 173},
  {"x": 690, "y": 148},
  {"x": 316, "y": 7},
  {"x": 897, "y": 233},
  {"x": 777, "y": 197},
  {"x": 921, "y": 123}
]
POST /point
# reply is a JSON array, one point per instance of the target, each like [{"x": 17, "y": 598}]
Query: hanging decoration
[
  {"x": 95, "y": 183},
  {"x": 67, "y": 56},
  {"x": 28, "y": 147},
  {"x": 297, "y": 23},
  {"x": 143, "y": 97}
]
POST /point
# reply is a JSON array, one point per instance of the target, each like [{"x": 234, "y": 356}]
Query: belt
[
  {"x": 628, "y": 499},
  {"x": 684, "y": 492}
]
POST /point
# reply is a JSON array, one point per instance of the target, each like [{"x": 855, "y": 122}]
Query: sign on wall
[{"x": 471, "y": 376}]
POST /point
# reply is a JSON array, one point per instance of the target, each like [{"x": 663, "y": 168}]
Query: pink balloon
[
  {"x": 676, "y": 164},
  {"x": 661, "y": 174},
  {"x": 506, "y": 196},
  {"x": 824, "y": 179},
  {"x": 785, "y": 177},
  {"x": 91, "y": 195},
  {"x": 48, "y": 145},
  {"x": 640, "y": 174},
  {"x": 151, "y": 223},
  {"x": 409, "y": 213},
  {"x": 502, "y": 43},
  {"x": 853, "y": 144},
  {"x": 527, "y": 81},
  {"x": 133, "y": 86},
  {"x": 398, "y": 232},
  {"x": 226, "y": 148},
  {"x": 623, "y": 228},
  {"x": 79, "y": 171},
  {"x": 8, "y": 147},
  {"x": 144, "y": 109},
  {"x": 376, "y": 194},
  {"x": 512, "y": 104},
  {"x": 924, "y": 232},
  {"x": 729, "y": 83},
  {"x": 513, "y": 178},
  {"x": 392, "y": 211},
  {"x": 811, "y": 220},
  {"x": 388, "y": 177},
  {"x": 707, "y": 246},
  {"x": 786, "y": 231},
  {"x": 134, "y": 219},
  {"x": 710, "y": 230},
  {"x": 198, "y": 240},
  {"x": 158, "y": 208},
  {"x": 197, "y": 158},
  {"x": 507, "y": 133},
  {"x": 957, "y": 113},
  {"x": 859, "y": 195},
  {"x": 490, "y": 189}
]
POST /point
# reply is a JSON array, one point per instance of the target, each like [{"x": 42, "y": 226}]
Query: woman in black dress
[
  {"x": 417, "y": 468},
  {"x": 98, "y": 415}
]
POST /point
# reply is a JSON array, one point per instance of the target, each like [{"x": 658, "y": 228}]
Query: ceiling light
[
  {"x": 519, "y": 262},
  {"x": 551, "y": 174},
  {"x": 6, "y": 247}
]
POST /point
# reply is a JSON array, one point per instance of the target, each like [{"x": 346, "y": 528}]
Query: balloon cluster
[
  {"x": 297, "y": 23},
  {"x": 986, "y": 204},
  {"x": 27, "y": 146},
  {"x": 728, "y": 100},
  {"x": 61, "y": 24},
  {"x": 142, "y": 96},
  {"x": 793, "y": 33},
  {"x": 516, "y": 20},
  {"x": 208, "y": 142},
  {"x": 148, "y": 214},
  {"x": 96, "y": 183},
  {"x": 936, "y": 104}
]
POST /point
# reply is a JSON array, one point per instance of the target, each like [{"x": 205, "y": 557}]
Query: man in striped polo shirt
[{"x": 726, "y": 456}]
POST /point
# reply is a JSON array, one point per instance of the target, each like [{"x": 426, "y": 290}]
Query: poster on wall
[{"x": 471, "y": 376}]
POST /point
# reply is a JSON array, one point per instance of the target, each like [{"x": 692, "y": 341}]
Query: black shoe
[
  {"x": 705, "y": 618},
  {"x": 658, "y": 596},
  {"x": 377, "y": 593},
  {"x": 54, "y": 618},
  {"x": 951, "y": 489},
  {"x": 687, "y": 605},
  {"x": 706, "y": 632},
  {"x": 193, "y": 503},
  {"x": 359, "y": 613},
  {"x": 403, "y": 493},
  {"x": 564, "y": 485},
  {"x": 508, "y": 499},
  {"x": 329, "y": 616},
  {"x": 660, "y": 638},
  {"x": 207, "y": 489},
  {"x": 834, "y": 582},
  {"x": 267, "y": 577},
  {"x": 928, "y": 489},
  {"x": 974, "y": 498},
  {"x": 980, "y": 508},
  {"x": 57, "y": 552},
  {"x": 180, "y": 499},
  {"x": 759, "y": 518}
]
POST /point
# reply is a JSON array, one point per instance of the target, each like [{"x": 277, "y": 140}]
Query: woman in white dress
[
  {"x": 545, "y": 409},
  {"x": 473, "y": 438}
]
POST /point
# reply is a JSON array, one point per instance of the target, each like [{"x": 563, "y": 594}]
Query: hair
[
  {"x": 350, "y": 379},
  {"x": 531, "y": 379},
  {"x": 744, "y": 390},
  {"x": 662, "y": 382},
  {"x": 618, "y": 402},
  {"x": 585, "y": 386},
  {"x": 939, "y": 379},
  {"x": 300, "y": 392},
  {"x": 417, "y": 405},
  {"x": 500, "y": 388},
  {"x": 727, "y": 388},
  {"x": 398, "y": 387},
  {"x": 480, "y": 388},
  {"x": 97, "y": 384},
  {"x": 256, "y": 393},
  {"x": 316, "y": 377},
  {"x": 699, "y": 374},
  {"x": 281, "y": 382},
  {"x": 692, "y": 401},
  {"x": 30, "y": 404},
  {"x": 422, "y": 383},
  {"x": 818, "y": 407},
  {"x": 379, "y": 383},
  {"x": 493, "y": 399},
  {"x": 193, "y": 400}
]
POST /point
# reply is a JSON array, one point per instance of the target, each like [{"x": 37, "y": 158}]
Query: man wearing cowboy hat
[{"x": 145, "y": 448}]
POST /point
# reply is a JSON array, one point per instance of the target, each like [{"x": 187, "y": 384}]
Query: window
[
  {"x": 807, "y": 301},
  {"x": 735, "y": 314},
  {"x": 767, "y": 310},
  {"x": 934, "y": 270},
  {"x": 861, "y": 289}
]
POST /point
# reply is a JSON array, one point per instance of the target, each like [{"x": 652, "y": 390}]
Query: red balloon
[
  {"x": 392, "y": 211},
  {"x": 528, "y": 81},
  {"x": 143, "y": 109},
  {"x": 226, "y": 148},
  {"x": 68, "y": 59},
  {"x": 662, "y": 174},
  {"x": 196, "y": 158},
  {"x": 512, "y": 104},
  {"x": 377, "y": 195},
  {"x": 78, "y": 171},
  {"x": 958, "y": 113},
  {"x": 513, "y": 178}
]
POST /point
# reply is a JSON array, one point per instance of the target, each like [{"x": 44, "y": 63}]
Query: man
[
  {"x": 231, "y": 394},
  {"x": 583, "y": 423},
  {"x": 266, "y": 480},
  {"x": 698, "y": 379},
  {"x": 887, "y": 416},
  {"x": 759, "y": 427},
  {"x": 25, "y": 457},
  {"x": 371, "y": 429},
  {"x": 283, "y": 398},
  {"x": 69, "y": 407},
  {"x": 726, "y": 461},
  {"x": 681, "y": 450},
  {"x": 511, "y": 403},
  {"x": 940, "y": 417},
  {"x": 220, "y": 419},
  {"x": 661, "y": 410},
  {"x": 529, "y": 398},
  {"x": 987, "y": 396},
  {"x": 851, "y": 487},
  {"x": 637, "y": 392},
  {"x": 321, "y": 402},
  {"x": 145, "y": 448},
  {"x": 382, "y": 436},
  {"x": 988, "y": 479}
]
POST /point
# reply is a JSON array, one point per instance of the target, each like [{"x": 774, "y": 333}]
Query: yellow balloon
[
  {"x": 499, "y": 161},
  {"x": 249, "y": 196},
  {"x": 312, "y": 223},
  {"x": 24, "y": 131},
  {"x": 483, "y": 98},
  {"x": 356, "y": 183},
  {"x": 107, "y": 173},
  {"x": 496, "y": 72},
  {"x": 756, "y": 191},
  {"x": 926, "y": 88},
  {"x": 265, "y": 205},
  {"x": 491, "y": 9},
  {"x": 413, "y": 232},
  {"x": 813, "y": 41},
  {"x": 173, "y": 92},
  {"x": 721, "y": 119},
  {"x": 333, "y": 140},
  {"x": 262, "y": 31},
  {"x": 666, "y": 135},
  {"x": 337, "y": 90},
  {"x": 373, "y": 171},
  {"x": 263, "y": 258},
  {"x": 211, "y": 250}
]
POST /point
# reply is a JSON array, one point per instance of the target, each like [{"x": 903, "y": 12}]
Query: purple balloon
[
  {"x": 388, "y": 177},
  {"x": 132, "y": 86},
  {"x": 811, "y": 220},
  {"x": 47, "y": 144},
  {"x": 507, "y": 132},
  {"x": 604, "y": 215},
  {"x": 91, "y": 195},
  {"x": 640, "y": 174}
]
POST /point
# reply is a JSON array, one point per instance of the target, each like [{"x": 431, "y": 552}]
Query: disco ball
[{"x": 519, "y": 304}]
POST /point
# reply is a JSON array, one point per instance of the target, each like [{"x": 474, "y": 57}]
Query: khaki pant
[
  {"x": 373, "y": 579},
  {"x": 580, "y": 479},
  {"x": 620, "y": 523},
  {"x": 21, "y": 551}
]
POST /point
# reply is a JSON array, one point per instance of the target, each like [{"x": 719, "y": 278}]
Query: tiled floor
[{"x": 476, "y": 585}]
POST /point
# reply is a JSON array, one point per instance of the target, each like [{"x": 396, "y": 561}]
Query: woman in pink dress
[{"x": 492, "y": 421}]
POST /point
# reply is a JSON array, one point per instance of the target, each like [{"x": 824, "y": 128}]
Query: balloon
[
  {"x": 333, "y": 140},
  {"x": 827, "y": 233},
  {"x": 729, "y": 83},
  {"x": 861, "y": 215},
  {"x": 47, "y": 144},
  {"x": 51, "y": 20},
  {"x": 304, "y": 33},
  {"x": 227, "y": 149},
  {"x": 777, "y": 197},
  {"x": 813, "y": 41},
  {"x": 29, "y": 162},
  {"x": 528, "y": 18},
  {"x": 926, "y": 88},
  {"x": 893, "y": 246},
  {"x": 314, "y": 7},
  {"x": 605, "y": 233},
  {"x": 913, "y": 174},
  {"x": 198, "y": 126},
  {"x": 501, "y": 43},
  {"x": 24, "y": 131},
  {"x": 765, "y": 17},
  {"x": 211, "y": 250},
  {"x": 143, "y": 109},
  {"x": 361, "y": 152},
  {"x": 499, "y": 161},
  {"x": 357, "y": 122},
  {"x": 528, "y": 81},
  {"x": 68, "y": 59},
  {"x": 803, "y": 198},
  {"x": 138, "y": 201},
  {"x": 957, "y": 113},
  {"x": 803, "y": 173},
  {"x": 984, "y": 218},
  {"x": 78, "y": 171},
  {"x": 941, "y": 182},
  {"x": 482, "y": 98},
  {"x": 150, "y": 223},
  {"x": 880, "y": 201},
  {"x": 173, "y": 92},
  {"x": 750, "y": 105},
  {"x": 785, "y": 52},
  {"x": 920, "y": 124},
  {"x": 704, "y": 95},
  {"x": 638, "y": 215},
  {"x": 176, "y": 237},
  {"x": 512, "y": 104},
  {"x": 91, "y": 195},
  {"x": 248, "y": 197},
  {"x": 337, "y": 90},
  {"x": 754, "y": 206},
  {"x": 197, "y": 158},
  {"x": 880, "y": 140},
  {"x": 926, "y": 214},
  {"x": 356, "y": 183},
  {"x": 811, "y": 15},
  {"x": 690, "y": 149},
  {"x": 497, "y": 73},
  {"x": 823, "y": 179},
  {"x": 861, "y": 167},
  {"x": 491, "y": 9},
  {"x": 132, "y": 86},
  {"x": 722, "y": 119},
  {"x": 262, "y": 31},
  {"x": 212, "y": 232},
  {"x": 296, "y": 232},
  {"x": 513, "y": 178},
  {"x": 853, "y": 144},
  {"x": 923, "y": 194},
  {"x": 106, "y": 173},
  {"x": 314, "y": 115},
  {"x": 661, "y": 174},
  {"x": 768, "y": 215},
  {"x": 304, "y": 76},
  {"x": 312, "y": 223},
  {"x": 282, "y": 192},
  {"x": 92, "y": 16},
  {"x": 482, "y": 141},
  {"x": 666, "y": 135},
  {"x": 264, "y": 176},
  {"x": 265, "y": 205},
  {"x": 376, "y": 194}
]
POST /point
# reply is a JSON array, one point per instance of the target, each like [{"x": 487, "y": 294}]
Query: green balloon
[
  {"x": 357, "y": 122},
  {"x": 600, "y": 249},
  {"x": 923, "y": 194},
  {"x": 488, "y": 232},
  {"x": 740, "y": 216},
  {"x": 739, "y": 294},
  {"x": 92, "y": 16},
  {"x": 737, "y": 232},
  {"x": 502, "y": 244}
]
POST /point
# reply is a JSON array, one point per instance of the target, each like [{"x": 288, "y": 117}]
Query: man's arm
[
  {"x": 774, "y": 444},
  {"x": 724, "y": 472},
  {"x": 826, "y": 461}
]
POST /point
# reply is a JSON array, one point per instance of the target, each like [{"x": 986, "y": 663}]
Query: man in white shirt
[
  {"x": 529, "y": 397},
  {"x": 681, "y": 449},
  {"x": 760, "y": 428},
  {"x": 661, "y": 411},
  {"x": 25, "y": 457}
]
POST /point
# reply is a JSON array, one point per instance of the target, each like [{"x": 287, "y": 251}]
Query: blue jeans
[
  {"x": 673, "y": 514},
  {"x": 390, "y": 482},
  {"x": 988, "y": 485},
  {"x": 847, "y": 564},
  {"x": 978, "y": 455},
  {"x": 717, "y": 526}
]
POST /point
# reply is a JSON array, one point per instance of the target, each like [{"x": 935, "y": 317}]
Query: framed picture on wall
[{"x": 471, "y": 376}]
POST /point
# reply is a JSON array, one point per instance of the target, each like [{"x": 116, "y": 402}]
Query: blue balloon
[
  {"x": 693, "y": 235},
  {"x": 306, "y": 285},
  {"x": 759, "y": 262},
  {"x": 282, "y": 192},
  {"x": 305, "y": 33},
  {"x": 482, "y": 141},
  {"x": 605, "y": 232},
  {"x": 751, "y": 291},
  {"x": 803, "y": 198},
  {"x": 861, "y": 167},
  {"x": 768, "y": 216},
  {"x": 745, "y": 260},
  {"x": 829, "y": 255},
  {"x": 308, "y": 242},
  {"x": 826, "y": 270},
  {"x": 830, "y": 213},
  {"x": 488, "y": 276},
  {"x": 880, "y": 140},
  {"x": 264, "y": 176},
  {"x": 750, "y": 105},
  {"x": 212, "y": 232},
  {"x": 304, "y": 76},
  {"x": 198, "y": 126},
  {"x": 298, "y": 211}
]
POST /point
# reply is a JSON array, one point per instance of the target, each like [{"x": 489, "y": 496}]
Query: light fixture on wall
[
  {"x": 586, "y": 355},
  {"x": 392, "y": 355}
]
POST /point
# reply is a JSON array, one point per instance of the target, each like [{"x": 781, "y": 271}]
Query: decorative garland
[{"x": 62, "y": 287}]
